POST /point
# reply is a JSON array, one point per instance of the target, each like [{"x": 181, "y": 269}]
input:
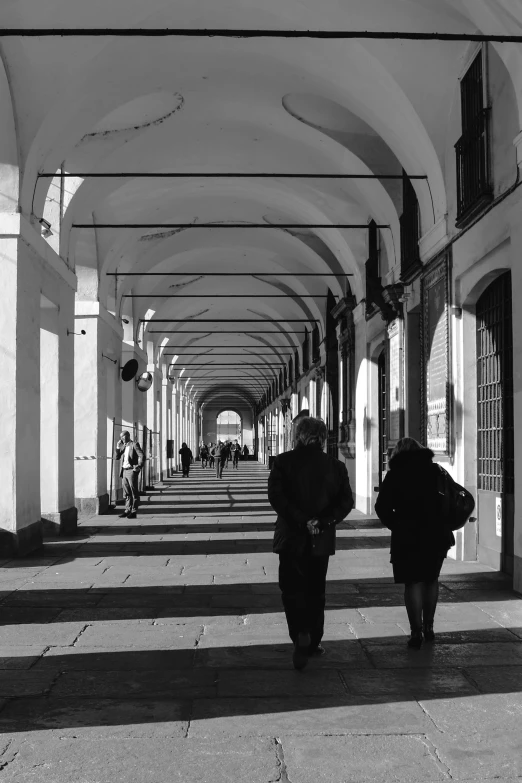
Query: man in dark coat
[
  {"x": 310, "y": 492},
  {"x": 186, "y": 459},
  {"x": 131, "y": 465}
]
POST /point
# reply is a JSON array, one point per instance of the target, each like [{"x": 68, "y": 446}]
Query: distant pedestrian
[
  {"x": 219, "y": 454},
  {"x": 186, "y": 459},
  {"x": 310, "y": 492},
  {"x": 409, "y": 505},
  {"x": 211, "y": 459},
  {"x": 203, "y": 453},
  {"x": 131, "y": 465},
  {"x": 236, "y": 451},
  {"x": 227, "y": 454},
  {"x": 245, "y": 452}
]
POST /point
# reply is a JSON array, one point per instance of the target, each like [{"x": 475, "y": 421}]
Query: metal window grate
[
  {"x": 409, "y": 225},
  {"x": 383, "y": 416},
  {"x": 495, "y": 388},
  {"x": 472, "y": 149}
]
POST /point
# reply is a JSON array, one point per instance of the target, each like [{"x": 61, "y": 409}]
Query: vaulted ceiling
[{"x": 196, "y": 106}]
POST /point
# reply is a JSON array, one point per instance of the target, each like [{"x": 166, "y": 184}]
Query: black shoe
[
  {"x": 132, "y": 515},
  {"x": 429, "y": 636},
  {"x": 300, "y": 654},
  {"x": 415, "y": 640},
  {"x": 316, "y": 652},
  {"x": 122, "y": 516}
]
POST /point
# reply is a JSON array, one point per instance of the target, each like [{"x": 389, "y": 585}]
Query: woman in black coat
[
  {"x": 310, "y": 492},
  {"x": 409, "y": 505}
]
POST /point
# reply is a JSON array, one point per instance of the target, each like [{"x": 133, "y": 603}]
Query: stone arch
[{"x": 9, "y": 161}]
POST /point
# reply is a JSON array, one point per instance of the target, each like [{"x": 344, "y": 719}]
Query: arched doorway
[
  {"x": 228, "y": 426},
  {"x": 495, "y": 431}
]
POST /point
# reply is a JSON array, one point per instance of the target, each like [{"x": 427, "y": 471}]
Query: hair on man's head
[{"x": 310, "y": 432}]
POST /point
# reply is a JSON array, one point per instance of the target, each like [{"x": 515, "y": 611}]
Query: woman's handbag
[{"x": 457, "y": 503}]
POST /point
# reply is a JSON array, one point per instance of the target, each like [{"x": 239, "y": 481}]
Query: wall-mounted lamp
[
  {"x": 144, "y": 382},
  {"x": 78, "y": 333},
  {"x": 124, "y": 321},
  {"x": 46, "y": 228}
]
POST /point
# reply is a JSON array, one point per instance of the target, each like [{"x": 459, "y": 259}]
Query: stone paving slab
[
  {"x": 167, "y": 684},
  {"x": 20, "y": 657},
  {"x": 44, "y": 635},
  {"x": 304, "y": 715},
  {"x": 156, "y": 637},
  {"x": 102, "y": 718},
  {"x": 461, "y": 655},
  {"x": 408, "y": 685},
  {"x": 264, "y": 683},
  {"x": 17, "y": 684},
  {"x": 144, "y": 761},
  {"x": 365, "y": 759},
  {"x": 62, "y": 659}
]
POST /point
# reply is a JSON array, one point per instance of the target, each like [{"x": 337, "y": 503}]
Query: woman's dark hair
[
  {"x": 183, "y": 445},
  {"x": 407, "y": 444}
]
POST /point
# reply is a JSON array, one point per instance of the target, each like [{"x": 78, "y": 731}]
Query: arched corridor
[{"x": 216, "y": 216}]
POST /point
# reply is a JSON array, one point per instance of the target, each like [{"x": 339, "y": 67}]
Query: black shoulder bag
[{"x": 456, "y": 502}]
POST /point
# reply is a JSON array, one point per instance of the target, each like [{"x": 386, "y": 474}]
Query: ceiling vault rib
[
  {"x": 163, "y": 32},
  {"x": 221, "y": 175},
  {"x": 235, "y": 331},
  {"x": 230, "y": 274},
  {"x": 273, "y": 227},
  {"x": 225, "y": 296}
]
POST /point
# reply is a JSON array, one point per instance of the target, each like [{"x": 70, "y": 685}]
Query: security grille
[
  {"x": 495, "y": 387},
  {"x": 472, "y": 149},
  {"x": 383, "y": 416}
]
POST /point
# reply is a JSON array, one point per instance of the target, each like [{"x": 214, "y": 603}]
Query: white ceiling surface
[{"x": 236, "y": 105}]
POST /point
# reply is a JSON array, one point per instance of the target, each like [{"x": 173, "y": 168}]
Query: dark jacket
[
  {"x": 136, "y": 457},
  {"x": 409, "y": 505},
  {"x": 303, "y": 484},
  {"x": 186, "y": 455}
]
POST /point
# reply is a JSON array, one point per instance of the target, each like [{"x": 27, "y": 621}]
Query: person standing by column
[
  {"x": 310, "y": 492},
  {"x": 131, "y": 465},
  {"x": 186, "y": 459},
  {"x": 245, "y": 452}
]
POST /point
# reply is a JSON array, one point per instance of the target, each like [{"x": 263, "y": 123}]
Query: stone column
[
  {"x": 20, "y": 523},
  {"x": 58, "y": 511},
  {"x": 165, "y": 395},
  {"x": 30, "y": 271},
  {"x": 97, "y": 400},
  {"x": 515, "y": 220}
]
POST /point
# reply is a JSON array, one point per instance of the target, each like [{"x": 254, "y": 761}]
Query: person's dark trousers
[
  {"x": 236, "y": 460},
  {"x": 302, "y": 581},
  {"x": 219, "y": 468},
  {"x": 131, "y": 492},
  {"x": 186, "y": 468}
]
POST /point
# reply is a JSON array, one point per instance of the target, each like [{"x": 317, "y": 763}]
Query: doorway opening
[
  {"x": 229, "y": 426},
  {"x": 495, "y": 426}
]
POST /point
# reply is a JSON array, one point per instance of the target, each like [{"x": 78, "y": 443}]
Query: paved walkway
[{"x": 155, "y": 650}]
